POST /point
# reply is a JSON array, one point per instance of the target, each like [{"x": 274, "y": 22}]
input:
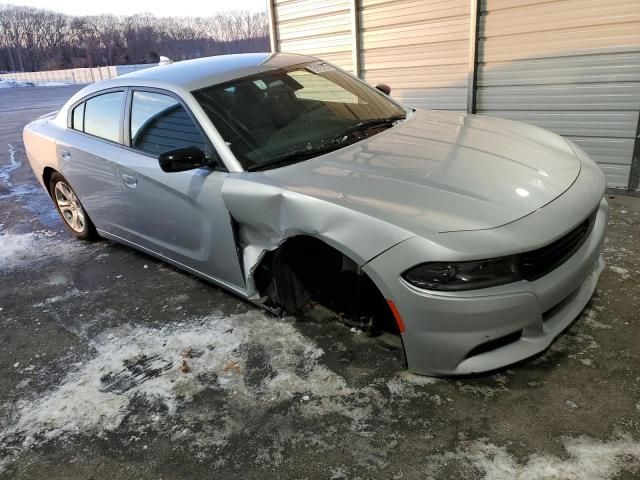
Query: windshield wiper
[
  {"x": 333, "y": 143},
  {"x": 367, "y": 124},
  {"x": 295, "y": 156}
]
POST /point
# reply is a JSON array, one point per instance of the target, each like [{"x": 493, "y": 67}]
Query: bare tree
[
  {"x": 13, "y": 25},
  {"x": 32, "y": 39}
]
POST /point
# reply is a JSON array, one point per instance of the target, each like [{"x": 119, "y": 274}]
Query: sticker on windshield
[
  {"x": 320, "y": 68},
  {"x": 260, "y": 84}
]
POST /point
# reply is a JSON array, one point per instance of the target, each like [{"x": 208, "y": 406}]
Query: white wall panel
[
  {"x": 420, "y": 48},
  {"x": 316, "y": 27},
  {"x": 572, "y": 66}
]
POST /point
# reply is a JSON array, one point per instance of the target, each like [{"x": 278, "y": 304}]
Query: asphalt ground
[{"x": 115, "y": 365}]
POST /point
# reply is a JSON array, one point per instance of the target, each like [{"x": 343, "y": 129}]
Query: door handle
[
  {"x": 129, "y": 180},
  {"x": 65, "y": 154}
]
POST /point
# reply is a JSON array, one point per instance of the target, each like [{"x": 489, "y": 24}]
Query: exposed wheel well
[
  {"x": 304, "y": 269},
  {"x": 46, "y": 178}
]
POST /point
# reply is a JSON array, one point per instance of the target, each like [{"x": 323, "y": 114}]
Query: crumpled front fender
[{"x": 267, "y": 214}]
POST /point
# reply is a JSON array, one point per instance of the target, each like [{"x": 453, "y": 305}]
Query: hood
[{"x": 441, "y": 172}]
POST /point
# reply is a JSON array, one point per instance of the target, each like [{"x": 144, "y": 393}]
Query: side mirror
[
  {"x": 182, "y": 159},
  {"x": 384, "y": 88}
]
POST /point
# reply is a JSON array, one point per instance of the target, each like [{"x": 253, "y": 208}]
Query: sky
[{"x": 160, "y": 8}]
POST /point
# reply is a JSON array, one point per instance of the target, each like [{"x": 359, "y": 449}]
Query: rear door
[
  {"x": 89, "y": 151},
  {"x": 178, "y": 215}
]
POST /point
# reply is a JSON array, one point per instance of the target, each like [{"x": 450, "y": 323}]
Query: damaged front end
[{"x": 297, "y": 250}]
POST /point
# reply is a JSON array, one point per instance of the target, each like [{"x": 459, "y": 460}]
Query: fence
[{"x": 74, "y": 75}]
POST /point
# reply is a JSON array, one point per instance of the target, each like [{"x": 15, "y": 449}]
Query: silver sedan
[{"x": 290, "y": 182}]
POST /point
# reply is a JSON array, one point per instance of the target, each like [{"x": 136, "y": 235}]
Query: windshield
[{"x": 290, "y": 114}]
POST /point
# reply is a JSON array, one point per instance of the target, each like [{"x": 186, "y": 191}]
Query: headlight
[{"x": 452, "y": 276}]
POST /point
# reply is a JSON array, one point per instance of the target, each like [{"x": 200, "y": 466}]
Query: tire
[{"x": 70, "y": 209}]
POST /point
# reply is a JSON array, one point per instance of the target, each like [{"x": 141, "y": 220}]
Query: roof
[
  {"x": 192, "y": 75},
  {"x": 202, "y": 72}
]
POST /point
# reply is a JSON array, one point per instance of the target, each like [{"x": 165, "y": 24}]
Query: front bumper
[{"x": 454, "y": 333}]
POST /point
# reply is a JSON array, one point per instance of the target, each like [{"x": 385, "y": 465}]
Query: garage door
[
  {"x": 420, "y": 48},
  {"x": 570, "y": 66},
  {"x": 315, "y": 27}
]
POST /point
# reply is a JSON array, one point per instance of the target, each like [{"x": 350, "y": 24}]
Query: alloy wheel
[{"x": 70, "y": 207}]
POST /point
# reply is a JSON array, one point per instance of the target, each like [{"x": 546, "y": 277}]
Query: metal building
[{"x": 571, "y": 66}]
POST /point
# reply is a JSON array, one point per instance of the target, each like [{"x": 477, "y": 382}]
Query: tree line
[{"x": 33, "y": 39}]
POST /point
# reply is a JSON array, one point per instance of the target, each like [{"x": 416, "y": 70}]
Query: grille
[{"x": 538, "y": 263}]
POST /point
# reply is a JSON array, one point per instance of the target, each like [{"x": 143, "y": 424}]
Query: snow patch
[
  {"x": 57, "y": 279},
  {"x": 620, "y": 271},
  {"x": 12, "y": 245},
  {"x": 413, "y": 379},
  {"x": 5, "y": 170},
  {"x": 591, "y": 319},
  {"x": 22, "y": 250},
  {"x": 571, "y": 404},
  {"x": 28, "y": 193},
  {"x": 481, "y": 391},
  {"x": 171, "y": 365},
  {"x": 587, "y": 459},
  {"x": 10, "y": 83},
  {"x": 72, "y": 293},
  {"x": 246, "y": 362}
]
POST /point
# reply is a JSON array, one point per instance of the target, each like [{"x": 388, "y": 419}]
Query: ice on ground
[
  {"x": 27, "y": 191},
  {"x": 5, "y": 170},
  {"x": 570, "y": 404},
  {"x": 413, "y": 379},
  {"x": 72, "y": 293},
  {"x": 10, "y": 83},
  {"x": 403, "y": 385},
  {"x": 22, "y": 250},
  {"x": 12, "y": 245},
  {"x": 251, "y": 360},
  {"x": 620, "y": 271},
  {"x": 94, "y": 398},
  {"x": 591, "y": 319},
  {"x": 57, "y": 278},
  {"x": 586, "y": 459}
]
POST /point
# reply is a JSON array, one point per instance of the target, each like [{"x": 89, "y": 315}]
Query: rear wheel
[{"x": 70, "y": 208}]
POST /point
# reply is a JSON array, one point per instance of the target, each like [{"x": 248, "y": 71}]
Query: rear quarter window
[{"x": 77, "y": 119}]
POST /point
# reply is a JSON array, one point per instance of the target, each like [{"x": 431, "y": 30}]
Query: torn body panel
[{"x": 284, "y": 214}]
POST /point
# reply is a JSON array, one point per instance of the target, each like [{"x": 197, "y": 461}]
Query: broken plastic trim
[{"x": 235, "y": 229}]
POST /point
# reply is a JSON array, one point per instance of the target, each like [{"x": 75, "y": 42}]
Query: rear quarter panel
[{"x": 40, "y": 145}]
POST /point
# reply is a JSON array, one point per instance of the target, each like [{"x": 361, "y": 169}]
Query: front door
[{"x": 179, "y": 215}]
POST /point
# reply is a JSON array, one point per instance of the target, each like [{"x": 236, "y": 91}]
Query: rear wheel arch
[{"x": 46, "y": 179}]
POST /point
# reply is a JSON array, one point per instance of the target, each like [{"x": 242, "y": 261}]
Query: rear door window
[{"x": 102, "y": 115}]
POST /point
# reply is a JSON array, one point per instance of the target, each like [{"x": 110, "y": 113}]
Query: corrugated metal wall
[
  {"x": 571, "y": 66},
  {"x": 315, "y": 27},
  {"x": 419, "y": 47}
]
